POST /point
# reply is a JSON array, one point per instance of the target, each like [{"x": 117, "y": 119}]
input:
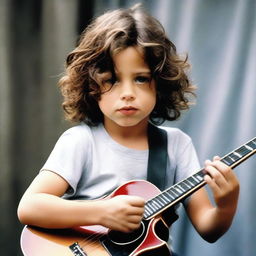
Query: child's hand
[
  {"x": 122, "y": 213},
  {"x": 223, "y": 183}
]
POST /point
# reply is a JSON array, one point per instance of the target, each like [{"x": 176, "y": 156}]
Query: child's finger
[
  {"x": 216, "y": 158},
  {"x": 211, "y": 183},
  {"x": 225, "y": 170},
  {"x": 136, "y": 201},
  {"x": 215, "y": 170}
]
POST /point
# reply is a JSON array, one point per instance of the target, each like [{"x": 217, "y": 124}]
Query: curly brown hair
[{"x": 108, "y": 34}]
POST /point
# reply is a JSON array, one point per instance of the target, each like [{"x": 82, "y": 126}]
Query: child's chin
[{"x": 130, "y": 123}]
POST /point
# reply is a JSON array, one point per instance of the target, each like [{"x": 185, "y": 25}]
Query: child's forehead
[
  {"x": 128, "y": 52},
  {"x": 130, "y": 58},
  {"x": 131, "y": 49}
]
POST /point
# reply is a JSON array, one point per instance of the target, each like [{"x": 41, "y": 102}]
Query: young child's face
[{"x": 129, "y": 98}]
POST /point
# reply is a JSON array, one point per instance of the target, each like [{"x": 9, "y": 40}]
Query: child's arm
[
  {"x": 42, "y": 205},
  {"x": 213, "y": 221}
]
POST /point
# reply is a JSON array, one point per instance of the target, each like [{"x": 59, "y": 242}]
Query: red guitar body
[{"x": 150, "y": 239}]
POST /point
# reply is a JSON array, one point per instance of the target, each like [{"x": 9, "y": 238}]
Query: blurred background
[{"x": 220, "y": 39}]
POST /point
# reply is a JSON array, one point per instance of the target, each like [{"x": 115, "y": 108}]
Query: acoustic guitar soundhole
[{"x": 121, "y": 238}]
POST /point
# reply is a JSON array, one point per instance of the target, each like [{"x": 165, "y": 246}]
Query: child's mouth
[{"x": 128, "y": 110}]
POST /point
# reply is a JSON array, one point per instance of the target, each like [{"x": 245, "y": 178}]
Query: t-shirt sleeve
[
  {"x": 187, "y": 162},
  {"x": 68, "y": 157}
]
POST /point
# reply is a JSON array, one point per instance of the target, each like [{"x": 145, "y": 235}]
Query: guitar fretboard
[{"x": 184, "y": 188}]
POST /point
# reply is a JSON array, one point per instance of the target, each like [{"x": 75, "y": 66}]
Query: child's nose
[{"x": 127, "y": 91}]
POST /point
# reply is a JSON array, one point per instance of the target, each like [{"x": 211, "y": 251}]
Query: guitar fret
[
  {"x": 169, "y": 192},
  {"x": 147, "y": 210},
  {"x": 194, "y": 177},
  {"x": 152, "y": 205},
  {"x": 148, "y": 207},
  {"x": 175, "y": 192},
  {"x": 163, "y": 199},
  {"x": 177, "y": 189},
  {"x": 234, "y": 157},
  {"x": 227, "y": 161},
  {"x": 192, "y": 180},
  {"x": 244, "y": 150},
  {"x": 166, "y": 197},
  {"x": 150, "y": 210},
  {"x": 199, "y": 177},
  {"x": 248, "y": 147},
  {"x": 181, "y": 188},
  {"x": 179, "y": 192},
  {"x": 159, "y": 201},
  {"x": 186, "y": 182},
  {"x": 201, "y": 173},
  {"x": 184, "y": 185},
  {"x": 237, "y": 154},
  {"x": 190, "y": 183},
  {"x": 156, "y": 204},
  {"x": 252, "y": 144}
]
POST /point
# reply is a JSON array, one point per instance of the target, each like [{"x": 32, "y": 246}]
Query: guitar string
[
  {"x": 92, "y": 240},
  {"x": 95, "y": 243},
  {"x": 95, "y": 236},
  {"x": 93, "y": 246}
]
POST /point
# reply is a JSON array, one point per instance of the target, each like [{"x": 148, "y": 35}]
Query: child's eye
[
  {"x": 109, "y": 81},
  {"x": 107, "y": 84},
  {"x": 142, "y": 79}
]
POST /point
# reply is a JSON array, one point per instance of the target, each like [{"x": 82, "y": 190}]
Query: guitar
[{"x": 152, "y": 236}]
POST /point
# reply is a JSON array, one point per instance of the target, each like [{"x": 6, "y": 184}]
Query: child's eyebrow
[
  {"x": 139, "y": 72},
  {"x": 143, "y": 73}
]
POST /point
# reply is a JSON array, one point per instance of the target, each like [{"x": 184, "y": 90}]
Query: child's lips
[{"x": 128, "y": 110}]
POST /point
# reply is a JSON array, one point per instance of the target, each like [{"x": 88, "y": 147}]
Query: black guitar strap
[
  {"x": 157, "y": 159},
  {"x": 157, "y": 165}
]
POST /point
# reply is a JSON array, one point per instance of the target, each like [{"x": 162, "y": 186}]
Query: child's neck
[{"x": 134, "y": 137}]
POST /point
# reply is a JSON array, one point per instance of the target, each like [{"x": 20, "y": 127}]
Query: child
[{"x": 123, "y": 74}]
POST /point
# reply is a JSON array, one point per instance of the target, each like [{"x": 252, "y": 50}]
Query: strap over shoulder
[
  {"x": 157, "y": 160},
  {"x": 157, "y": 165}
]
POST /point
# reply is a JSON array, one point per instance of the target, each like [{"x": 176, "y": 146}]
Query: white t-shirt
[{"x": 94, "y": 164}]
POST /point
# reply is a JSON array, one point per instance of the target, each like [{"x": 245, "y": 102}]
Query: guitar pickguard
[
  {"x": 136, "y": 242},
  {"x": 123, "y": 244}
]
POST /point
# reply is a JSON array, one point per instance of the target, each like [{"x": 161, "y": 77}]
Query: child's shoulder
[
  {"x": 77, "y": 134},
  {"x": 180, "y": 147},
  {"x": 175, "y": 132},
  {"x": 176, "y": 136},
  {"x": 79, "y": 129}
]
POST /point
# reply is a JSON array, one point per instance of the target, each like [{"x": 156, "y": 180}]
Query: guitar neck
[{"x": 184, "y": 188}]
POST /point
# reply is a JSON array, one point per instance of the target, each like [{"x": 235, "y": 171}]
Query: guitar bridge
[{"x": 77, "y": 250}]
